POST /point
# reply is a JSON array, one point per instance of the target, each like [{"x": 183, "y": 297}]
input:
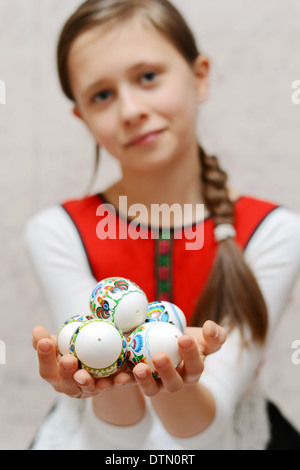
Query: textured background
[{"x": 47, "y": 156}]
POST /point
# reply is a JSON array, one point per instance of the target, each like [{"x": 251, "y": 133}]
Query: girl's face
[{"x": 136, "y": 93}]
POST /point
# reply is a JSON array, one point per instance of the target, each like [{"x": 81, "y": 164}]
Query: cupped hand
[
  {"x": 194, "y": 346},
  {"x": 63, "y": 374}
]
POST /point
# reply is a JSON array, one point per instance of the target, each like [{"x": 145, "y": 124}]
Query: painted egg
[
  {"x": 120, "y": 301},
  {"x": 66, "y": 331},
  {"x": 150, "y": 338},
  {"x": 166, "y": 312},
  {"x": 99, "y": 346}
]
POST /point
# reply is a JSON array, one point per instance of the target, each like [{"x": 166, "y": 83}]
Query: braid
[
  {"x": 231, "y": 293},
  {"x": 215, "y": 193}
]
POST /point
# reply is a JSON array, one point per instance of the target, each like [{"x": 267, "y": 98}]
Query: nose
[{"x": 132, "y": 109}]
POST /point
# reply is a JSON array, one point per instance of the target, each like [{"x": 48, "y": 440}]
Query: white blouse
[{"x": 241, "y": 421}]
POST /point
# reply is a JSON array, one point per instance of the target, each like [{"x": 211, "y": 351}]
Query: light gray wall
[{"x": 47, "y": 156}]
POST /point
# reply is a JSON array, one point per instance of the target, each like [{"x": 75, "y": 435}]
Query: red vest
[{"x": 164, "y": 268}]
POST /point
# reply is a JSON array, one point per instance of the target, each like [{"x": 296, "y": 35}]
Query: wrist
[
  {"x": 120, "y": 405},
  {"x": 187, "y": 412}
]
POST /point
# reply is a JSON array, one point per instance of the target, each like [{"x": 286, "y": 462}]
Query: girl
[{"x": 136, "y": 78}]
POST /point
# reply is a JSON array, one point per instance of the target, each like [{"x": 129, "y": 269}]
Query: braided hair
[{"x": 231, "y": 294}]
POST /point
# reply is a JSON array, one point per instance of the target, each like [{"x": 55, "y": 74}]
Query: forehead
[
  {"x": 109, "y": 48},
  {"x": 116, "y": 33}
]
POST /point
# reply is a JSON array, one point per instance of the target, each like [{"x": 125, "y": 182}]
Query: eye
[
  {"x": 102, "y": 96},
  {"x": 148, "y": 77}
]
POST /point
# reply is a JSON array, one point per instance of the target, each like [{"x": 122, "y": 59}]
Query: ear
[
  {"x": 201, "y": 71},
  {"x": 76, "y": 112}
]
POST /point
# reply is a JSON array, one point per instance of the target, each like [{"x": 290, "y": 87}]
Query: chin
[{"x": 152, "y": 163}]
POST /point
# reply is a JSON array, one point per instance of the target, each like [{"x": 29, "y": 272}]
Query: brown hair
[
  {"x": 92, "y": 13},
  {"x": 231, "y": 294}
]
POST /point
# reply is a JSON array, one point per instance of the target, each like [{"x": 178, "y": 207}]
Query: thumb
[
  {"x": 213, "y": 337},
  {"x": 38, "y": 333}
]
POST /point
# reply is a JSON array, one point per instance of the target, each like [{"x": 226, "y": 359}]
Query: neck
[{"x": 179, "y": 183}]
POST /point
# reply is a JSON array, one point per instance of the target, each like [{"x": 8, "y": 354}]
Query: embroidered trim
[{"x": 163, "y": 266}]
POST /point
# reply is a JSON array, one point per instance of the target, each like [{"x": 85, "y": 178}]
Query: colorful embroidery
[{"x": 163, "y": 254}]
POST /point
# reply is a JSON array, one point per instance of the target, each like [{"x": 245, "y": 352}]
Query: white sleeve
[
  {"x": 273, "y": 254},
  {"x": 60, "y": 262}
]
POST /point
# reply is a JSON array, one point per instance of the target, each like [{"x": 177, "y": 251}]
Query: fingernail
[
  {"x": 44, "y": 347},
  {"x": 80, "y": 382},
  {"x": 214, "y": 331},
  {"x": 141, "y": 374},
  {"x": 68, "y": 365},
  {"x": 186, "y": 343},
  {"x": 160, "y": 362}
]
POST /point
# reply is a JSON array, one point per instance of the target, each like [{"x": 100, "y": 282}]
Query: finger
[
  {"x": 171, "y": 380},
  {"x": 68, "y": 365},
  {"x": 38, "y": 333},
  {"x": 145, "y": 380},
  {"x": 125, "y": 377},
  {"x": 209, "y": 338},
  {"x": 104, "y": 383},
  {"x": 85, "y": 382},
  {"x": 46, "y": 350},
  {"x": 193, "y": 364},
  {"x": 213, "y": 337}
]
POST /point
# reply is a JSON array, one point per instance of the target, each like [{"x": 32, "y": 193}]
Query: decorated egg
[
  {"x": 120, "y": 301},
  {"x": 99, "y": 346},
  {"x": 150, "y": 338},
  {"x": 166, "y": 312},
  {"x": 66, "y": 331}
]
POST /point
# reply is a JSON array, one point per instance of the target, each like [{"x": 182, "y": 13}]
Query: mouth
[{"x": 144, "y": 139}]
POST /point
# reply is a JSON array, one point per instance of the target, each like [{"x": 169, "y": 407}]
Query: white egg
[
  {"x": 66, "y": 331},
  {"x": 151, "y": 338},
  {"x": 166, "y": 312},
  {"x": 120, "y": 301},
  {"x": 99, "y": 346}
]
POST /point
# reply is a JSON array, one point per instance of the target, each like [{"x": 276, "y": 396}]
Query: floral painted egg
[
  {"x": 66, "y": 331},
  {"x": 150, "y": 338},
  {"x": 99, "y": 346},
  {"x": 120, "y": 301},
  {"x": 166, "y": 312}
]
